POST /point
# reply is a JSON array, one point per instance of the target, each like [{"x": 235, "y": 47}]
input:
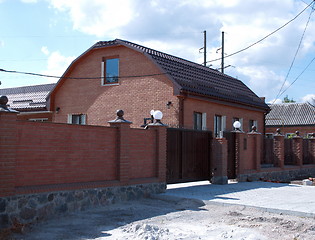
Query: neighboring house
[
  {"x": 119, "y": 74},
  {"x": 30, "y": 101},
  {"x": 291, "y": 117}
]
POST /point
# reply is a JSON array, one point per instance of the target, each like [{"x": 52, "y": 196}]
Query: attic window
[{"x": 110, "y": 71}]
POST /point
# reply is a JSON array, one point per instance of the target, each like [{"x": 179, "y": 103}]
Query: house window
[
  {"x": 251, "y": 124},
  {"x": 110, "y": 71},
  {"x": 219, "y": 125},
  {"x": 200, "y": 121},
  {"x": 77, "y": 119},
  {"x": 197, "y": 121}
]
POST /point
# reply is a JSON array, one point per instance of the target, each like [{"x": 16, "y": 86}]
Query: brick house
[
  {"x": 291, "y": 117},
  {"x": 30, "y": 101},
  {"x": 119, "y": 74}
]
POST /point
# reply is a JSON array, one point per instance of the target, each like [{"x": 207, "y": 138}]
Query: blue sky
[{"x": 44, "y": 36}]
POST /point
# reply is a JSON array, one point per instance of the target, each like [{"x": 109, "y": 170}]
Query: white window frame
[{"x": 82, "y": 118}]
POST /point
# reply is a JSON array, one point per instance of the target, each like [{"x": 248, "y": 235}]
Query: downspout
[{"x": 181, "y": 112}]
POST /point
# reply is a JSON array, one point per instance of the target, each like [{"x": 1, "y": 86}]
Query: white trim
[{"x": 204, "y": 121}]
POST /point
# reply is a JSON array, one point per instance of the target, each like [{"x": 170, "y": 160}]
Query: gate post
[
  {"x": 161, "y": 145},
  {"x": 298, "y": 150},
  {"x": 312, "y": 150},
  {"x": 123, "y": 127},
  {"x": 256, "y": 149},
  {"x": 278, "y": 149},
  {"x": 240, "y": 149},
  {"x": 8, "y": 140},
  {"x": 219, "y": 161}
]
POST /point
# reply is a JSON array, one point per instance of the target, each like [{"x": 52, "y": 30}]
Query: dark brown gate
[
  {"x": 231, "y": 164},
  {"x": 188, "y": 155}
]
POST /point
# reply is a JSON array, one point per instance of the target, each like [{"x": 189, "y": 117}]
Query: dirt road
[{"x": 154, "y": 219}]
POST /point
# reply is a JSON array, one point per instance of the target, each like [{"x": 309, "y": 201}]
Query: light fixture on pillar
[{"x": 237, "y": 125}]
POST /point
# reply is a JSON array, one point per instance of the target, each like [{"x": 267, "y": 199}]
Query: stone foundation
[
  {"x": 281, "y": 176},
  {"x": 33, "y": 208}
]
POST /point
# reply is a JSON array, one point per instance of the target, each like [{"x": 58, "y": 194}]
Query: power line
[
  {"x": 232, "y": 54},
  {"x": 295, "y": 55},
  {"x": 297, "y": 77}
]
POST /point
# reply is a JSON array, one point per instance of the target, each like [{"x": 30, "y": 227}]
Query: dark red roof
[{"x": 197, "y": 79}]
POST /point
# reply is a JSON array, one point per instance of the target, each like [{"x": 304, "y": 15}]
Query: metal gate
[{"x": 188, "y": 155}]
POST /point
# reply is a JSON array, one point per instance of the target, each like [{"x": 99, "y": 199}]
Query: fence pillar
[
  {"x": 278, "y": 149},
  {"x": 298, "y": 150},
  {"x": 240, "y": 149},
  {"x": 219, "y": 161},
  {"x": 123, "y": 127},
  {"x": 161, "y": 148},
  {"x": 255, "y": 147},
  {"x": 8, "y": 140},
  {"x": 312, "y": 150}
]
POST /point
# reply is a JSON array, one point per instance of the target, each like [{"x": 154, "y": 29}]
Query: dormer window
[{"x": 110, "y": 71}]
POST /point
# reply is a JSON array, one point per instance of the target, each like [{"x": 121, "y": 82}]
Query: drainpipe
[{"x": 181, "y": 112}]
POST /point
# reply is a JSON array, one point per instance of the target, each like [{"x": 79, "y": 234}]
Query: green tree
[{"x": 287, "y": 100}]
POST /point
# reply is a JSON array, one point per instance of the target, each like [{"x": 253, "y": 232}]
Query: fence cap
[
  {"x": 3, "y": 105},
  {"x": 120, "y": 118}
]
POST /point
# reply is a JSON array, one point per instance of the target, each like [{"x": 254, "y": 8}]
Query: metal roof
[
  {"x": 28, "y": 98},
  {"x": 195, "y": 78},
  {"x": 291, "y": 114}
]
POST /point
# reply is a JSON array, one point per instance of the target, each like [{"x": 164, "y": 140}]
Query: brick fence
[
  {"x": 251, "y": 154},
  {"x": 41, "y": 163}
]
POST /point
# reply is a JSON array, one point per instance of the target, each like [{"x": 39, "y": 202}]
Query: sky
[{"x": 45, "y": 36}]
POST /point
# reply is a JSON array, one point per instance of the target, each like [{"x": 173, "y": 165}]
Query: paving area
[
  {"x": 275, "y": 197},
  {"x": 247, "y": 211}
]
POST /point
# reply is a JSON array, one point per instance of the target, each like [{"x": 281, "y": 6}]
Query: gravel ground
[{"x": 175, "y": 218}]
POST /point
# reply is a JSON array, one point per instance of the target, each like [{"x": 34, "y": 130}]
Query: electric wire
[
  {"x": 164, "y": 73},
  {"x": 253, "y": 44},
  {"x": 294, "y": 58}
]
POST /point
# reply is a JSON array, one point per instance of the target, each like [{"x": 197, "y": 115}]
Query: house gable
[{"x": 138, "y": 90}]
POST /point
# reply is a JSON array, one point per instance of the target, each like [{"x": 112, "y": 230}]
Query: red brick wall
[
  {"x": 36, "y": 157},
  {"x": 212, "y": 109},
  {"x": 136, "y": 96},
  {"x": 58, "y": 153}
]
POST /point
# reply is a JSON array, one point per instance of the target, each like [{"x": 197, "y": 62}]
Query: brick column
[
  {"x": 240, "y": 149},
  {"x": 161, "y": 147},
  {"x": 312, "y": 150},
  {"x": 123, "y": 133},
  {"x": 256, "y": 144},
  {"x": 219, "y": 158},
  {"x": 8, "y": 140},
  {"x": 278, "y": 149},
  {"x": 298, "y": 150}
]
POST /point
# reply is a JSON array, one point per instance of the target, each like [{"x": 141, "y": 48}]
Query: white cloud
[
  {"x": 176, "y": 27},
  {"x": 29, "y": 1},
  {"x": 275, "y": 101},
  {"x": 56, "y": 64},
  {"x": 96, "y": 17},
  {"x": 309, "y": 98},
  {"x": 45, "y": 50}
]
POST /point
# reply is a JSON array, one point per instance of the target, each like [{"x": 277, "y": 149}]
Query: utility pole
[
  {"x": 205, "y": 48},
  {"x": 222, "y": 58}
]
